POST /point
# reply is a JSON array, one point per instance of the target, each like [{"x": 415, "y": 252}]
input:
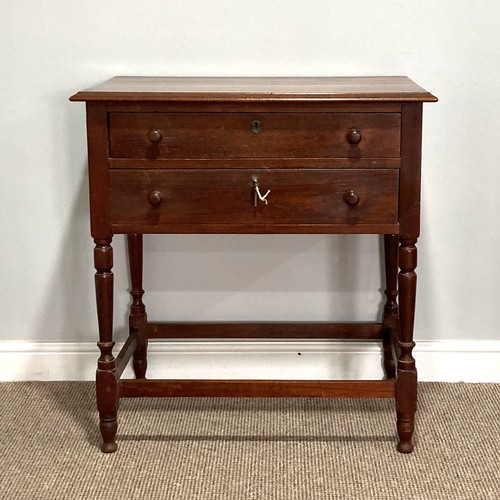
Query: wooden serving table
[{"x": 255, "y": 155}]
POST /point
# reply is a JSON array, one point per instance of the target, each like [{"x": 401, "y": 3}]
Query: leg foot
[
  {"x": 140, "y": 364},
  {"x": 405, "y": 431},
  {"x": 109, "y": 447},
  {"x": 108, "y": 433},
  {"x": 405, "y": 447}
]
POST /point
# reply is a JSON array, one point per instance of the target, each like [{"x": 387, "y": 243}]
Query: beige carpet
[{"x": 248, "y": 448}]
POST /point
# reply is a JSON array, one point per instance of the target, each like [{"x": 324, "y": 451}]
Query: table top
[{"x": 345, "y": 88}]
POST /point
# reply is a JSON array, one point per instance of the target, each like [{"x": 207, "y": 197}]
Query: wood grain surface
[{"x": 137, "y": 88}]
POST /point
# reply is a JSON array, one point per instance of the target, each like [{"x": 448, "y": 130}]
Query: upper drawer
[{"x": 254, "y": 135}]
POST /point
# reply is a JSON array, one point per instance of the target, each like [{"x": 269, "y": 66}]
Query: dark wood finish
[
  {"x": 259, "y": 163},
  {"x": 391, "y": 309},
  {"x": 232, "y": 135},
  {"x": 106, "y": 378},
  {"x": 194, "y": 89},
  {"x": 259, "y": 388},
  {"x": 214, "y": 196},
  {"x": 106, "y": 387},
  {"x": 169, "y": 105},
  {"x": 272, "y": 330},
  {"x": 406, "y": 390},
  {"x": 409, "y": 207},
  {"x": 235, "y": 228},
  {"x": 137, "y": 317},
  {"x": 154, "y": 136},
  {"x": 97, "y": 140},
  {"x": 126, "y": 352},
  {"x": 199, "y": 155},
  {"x": 351, "y": 198},
  {"x": 354, "y": 136}
]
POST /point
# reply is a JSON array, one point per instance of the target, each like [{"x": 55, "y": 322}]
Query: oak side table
[{"x": 255, "y": 155}]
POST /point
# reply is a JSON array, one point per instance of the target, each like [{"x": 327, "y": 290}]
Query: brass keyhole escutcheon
[{"x": 256, "y": 126}]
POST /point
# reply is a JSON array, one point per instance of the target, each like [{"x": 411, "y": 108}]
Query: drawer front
[
  {"x": 254, "y": 135},
  {"x": 225, "y": 196}
]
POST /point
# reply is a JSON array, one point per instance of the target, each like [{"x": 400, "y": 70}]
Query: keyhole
[{"x": 256, "y": 126}]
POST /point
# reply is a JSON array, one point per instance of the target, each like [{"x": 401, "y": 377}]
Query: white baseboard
[{"x": 446, "y": 361}]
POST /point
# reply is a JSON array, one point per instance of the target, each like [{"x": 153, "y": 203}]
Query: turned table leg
[
  {"x": 106, "y": 384},
  {"x": 391, "y": 311},
  {"x": 137, "y": 317},
  {"x": 406, "y": 387}
]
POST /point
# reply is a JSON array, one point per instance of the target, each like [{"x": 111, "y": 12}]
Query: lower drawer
[{"x": 225, "y": 196}]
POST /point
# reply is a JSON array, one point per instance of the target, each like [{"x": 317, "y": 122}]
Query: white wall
[{"x": 50, "y": 49}]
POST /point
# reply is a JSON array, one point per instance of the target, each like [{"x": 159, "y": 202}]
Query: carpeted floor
[{"x": 234, "y": 449}]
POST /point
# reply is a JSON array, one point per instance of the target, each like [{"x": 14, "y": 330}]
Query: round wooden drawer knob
[
  {"x": 155, "y": 135},
  {"x": 351, "y": 198},
  {"x": 155, "y": 198},
  {"x": 354, "y": 136}
]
